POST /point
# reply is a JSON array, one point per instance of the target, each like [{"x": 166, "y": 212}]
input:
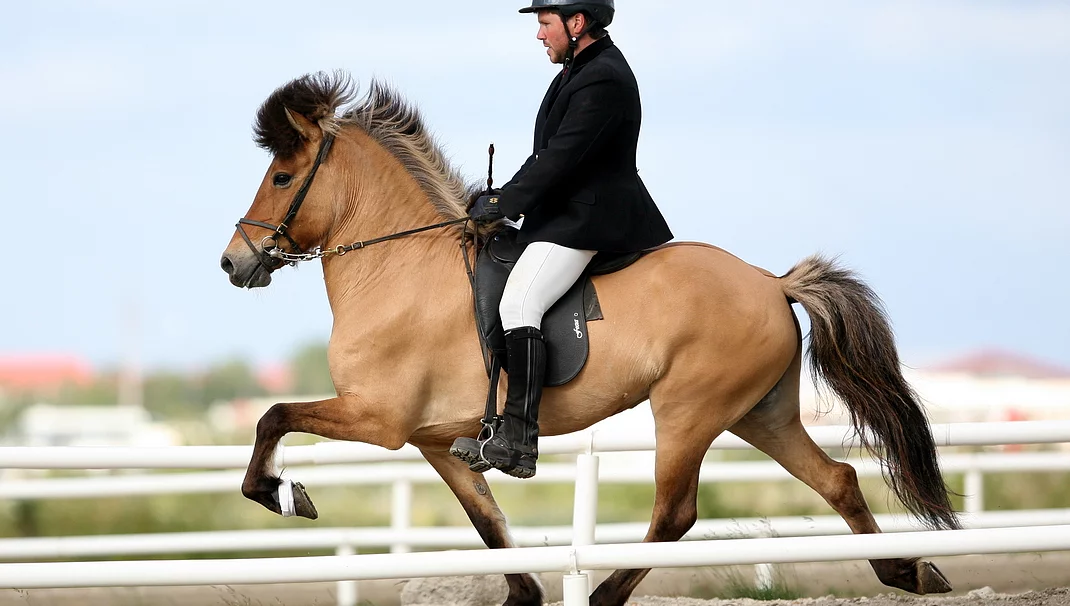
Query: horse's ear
[{"x": 304, "y": 127}]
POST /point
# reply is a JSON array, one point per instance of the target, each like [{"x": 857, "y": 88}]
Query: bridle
[
  {"x": 269, "y": 253},
  {"x": 271, "y": 257}
]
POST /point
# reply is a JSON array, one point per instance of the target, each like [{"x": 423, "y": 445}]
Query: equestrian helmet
[{"x": 600, "y": 11}]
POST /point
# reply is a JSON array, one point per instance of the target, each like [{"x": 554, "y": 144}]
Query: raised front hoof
[
  {"x": 303, "y": 506},
  {"x": 293, "y": 501},
  {"x": 467, "y": 450}
]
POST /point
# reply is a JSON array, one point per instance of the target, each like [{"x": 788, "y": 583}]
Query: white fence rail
[
  {"x": 357, "y": 539},
  {"x": 569, "y": 560},
  {"x": 988, "y": 533},
  {"x": 323, "y": 453},
  {"x": 636, "y": 472}
]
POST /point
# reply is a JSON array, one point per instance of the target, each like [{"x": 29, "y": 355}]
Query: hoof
[
  {"x": 931, "y": 580},
  {"x": 294, "y": 501}
]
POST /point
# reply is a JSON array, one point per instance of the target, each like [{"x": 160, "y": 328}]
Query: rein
[{"x": 341, "y": 250}]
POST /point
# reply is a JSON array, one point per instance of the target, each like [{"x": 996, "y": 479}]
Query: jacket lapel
[{"x": 544, "y": 110}]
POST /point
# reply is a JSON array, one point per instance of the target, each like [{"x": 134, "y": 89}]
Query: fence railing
[
  {"x": 581, "y": 555},
  {"x": 324, "y": 453}
]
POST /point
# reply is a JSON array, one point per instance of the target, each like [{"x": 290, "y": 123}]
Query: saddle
[{"x": 564, "y": 326}]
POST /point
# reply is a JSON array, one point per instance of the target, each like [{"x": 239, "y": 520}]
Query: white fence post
[
  {"x": 975, "y": 491},
  {"x": 347, "y": 590},
  {"x": 584, "y": 519},
  {"x": 763, "y": 576},
  {"x": 401, "y": 513}
]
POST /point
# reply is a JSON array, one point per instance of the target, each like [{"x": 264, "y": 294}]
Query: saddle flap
[{"x": 565, "y": 324}]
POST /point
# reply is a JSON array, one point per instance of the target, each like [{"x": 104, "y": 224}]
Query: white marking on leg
[
  {"x": 286, "y": 498},
  {"x": 276, "y": 463}
]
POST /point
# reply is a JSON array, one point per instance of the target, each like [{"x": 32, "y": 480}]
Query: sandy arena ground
[{"x": 1018, "y": 580}]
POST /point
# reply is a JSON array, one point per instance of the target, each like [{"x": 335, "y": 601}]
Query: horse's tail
[{"x": 853, "y": 352}]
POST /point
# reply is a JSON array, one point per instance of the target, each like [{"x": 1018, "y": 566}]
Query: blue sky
[{"x": 928, "y": 143}]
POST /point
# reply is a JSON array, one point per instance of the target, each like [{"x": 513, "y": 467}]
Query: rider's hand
[{"x": 485, "y": 209}]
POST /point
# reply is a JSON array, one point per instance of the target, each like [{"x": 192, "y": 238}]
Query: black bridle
[
  {"x": 282, "y": 230},
  {"x": 271, "y": 257}
]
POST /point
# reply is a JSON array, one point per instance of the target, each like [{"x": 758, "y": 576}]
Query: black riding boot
[{"x": 513, "y": 448}]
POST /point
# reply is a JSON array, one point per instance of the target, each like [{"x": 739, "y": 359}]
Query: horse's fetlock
[{"x": 256, "y": 488}]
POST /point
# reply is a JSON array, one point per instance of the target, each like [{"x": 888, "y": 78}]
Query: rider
[{"x": 579, "y": 193}]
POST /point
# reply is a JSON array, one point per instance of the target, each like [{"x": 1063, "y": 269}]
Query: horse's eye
[{"x": 282, "y": 180}]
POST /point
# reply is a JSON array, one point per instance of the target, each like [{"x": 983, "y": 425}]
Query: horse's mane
[{"x": 381, "y": 113}]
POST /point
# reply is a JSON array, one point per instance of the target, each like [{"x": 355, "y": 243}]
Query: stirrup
[
  {"x": 470, "y": 450},
  {"x": 489, "y": 430}
]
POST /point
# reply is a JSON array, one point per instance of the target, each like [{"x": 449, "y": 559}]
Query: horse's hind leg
[
  {"x": 675, "y": 512},
  {"x": 475, "y": 497},
  {"x": 774, "y": 427},
  {"x": 684, "y": 431}
]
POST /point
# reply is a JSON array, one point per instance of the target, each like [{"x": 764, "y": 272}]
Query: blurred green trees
[
  {"x": 171, "y": 394},
  {"x": 311, "y": 374}
]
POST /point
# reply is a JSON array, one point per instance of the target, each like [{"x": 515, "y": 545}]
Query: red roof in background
[
  {"x": 43, "y": 371},
  {"x": 1002, "y": 363},
  {"x": 276, "y": 378}
]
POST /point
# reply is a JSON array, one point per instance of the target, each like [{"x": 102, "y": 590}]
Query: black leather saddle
[{"x": 565, "y": 324}]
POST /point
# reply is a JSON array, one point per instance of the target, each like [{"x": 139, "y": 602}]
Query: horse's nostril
[{"x": 227, "y": 265}]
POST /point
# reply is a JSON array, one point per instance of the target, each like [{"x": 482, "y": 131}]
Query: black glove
[{"x": 485, "y": 209}]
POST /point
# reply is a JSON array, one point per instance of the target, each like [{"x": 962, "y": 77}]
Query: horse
[{"x": 714, "y": 345}]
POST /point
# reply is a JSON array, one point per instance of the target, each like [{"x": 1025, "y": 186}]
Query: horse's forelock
[
  {"x": 381, "y": 113},
  {"x": 314, "y": 96}
]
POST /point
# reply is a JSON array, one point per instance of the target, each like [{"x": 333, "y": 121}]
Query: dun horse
[{"x": 711, "y": 341}]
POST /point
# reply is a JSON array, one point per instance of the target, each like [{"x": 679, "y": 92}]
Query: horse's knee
[{"x": 271, "y": 424}]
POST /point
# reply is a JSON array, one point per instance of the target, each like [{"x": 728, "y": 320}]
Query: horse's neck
[
  {"x": 396, "y": 273},
  {"x": 391, "y": 293}
]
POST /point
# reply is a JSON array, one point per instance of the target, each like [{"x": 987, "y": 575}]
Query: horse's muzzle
[{"x": 245, "y": 271}]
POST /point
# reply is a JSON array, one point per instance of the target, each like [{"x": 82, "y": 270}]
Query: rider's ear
[{"x": 304, "y": 127}]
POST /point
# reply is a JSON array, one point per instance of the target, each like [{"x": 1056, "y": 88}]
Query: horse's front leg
[
  {"x": 343, "y": 418},
  {"x": 475, "y": 497}
]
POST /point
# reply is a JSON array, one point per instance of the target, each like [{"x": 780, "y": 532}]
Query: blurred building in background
[
  {"x": 42, "y": 374},
  {"x": 983, "y": 386},
  {"x": 51, "y": 425}
]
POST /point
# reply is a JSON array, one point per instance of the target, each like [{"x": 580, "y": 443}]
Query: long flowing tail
[{"x": 853, "y": 352}]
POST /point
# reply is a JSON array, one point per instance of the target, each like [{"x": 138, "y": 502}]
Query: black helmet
[{"x": 601, "y": 11}]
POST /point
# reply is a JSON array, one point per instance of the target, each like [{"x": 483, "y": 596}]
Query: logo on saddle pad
[{"x": 576, "y": 324}]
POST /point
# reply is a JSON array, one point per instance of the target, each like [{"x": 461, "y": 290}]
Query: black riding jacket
[{"x": 581, "y": 188}]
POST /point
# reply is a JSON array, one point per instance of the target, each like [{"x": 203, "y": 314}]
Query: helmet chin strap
[{"x": 573, "y": 43}]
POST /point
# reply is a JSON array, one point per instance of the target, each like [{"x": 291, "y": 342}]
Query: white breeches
[{"x": 542, "y": 275}]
